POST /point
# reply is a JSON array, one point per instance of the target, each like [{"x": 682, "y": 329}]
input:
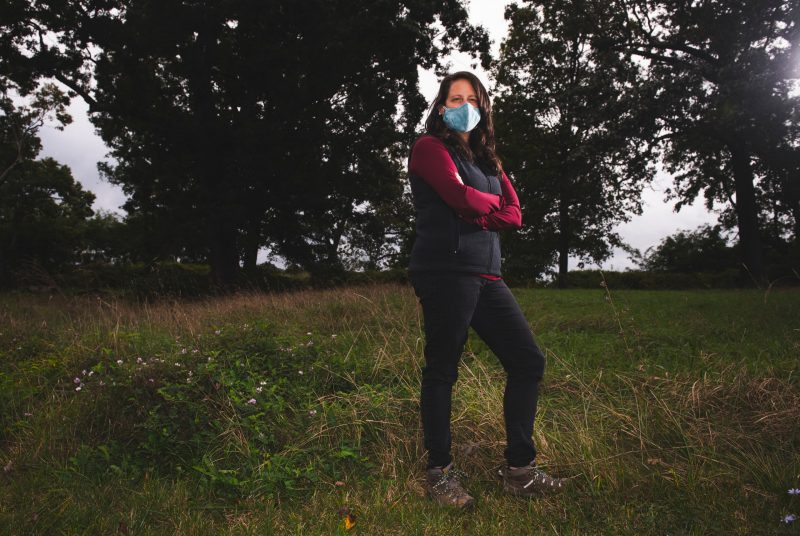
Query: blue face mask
[{"x": 462, "y": 119}]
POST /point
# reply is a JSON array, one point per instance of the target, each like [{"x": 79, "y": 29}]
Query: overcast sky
[{"x": 81, "y": 149}]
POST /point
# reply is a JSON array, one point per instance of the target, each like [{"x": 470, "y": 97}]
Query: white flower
[
  {"x": 151, "y": 380},
  {"x": 139, "y": 360},
  {"x": 252, "y": 401},
  {"x": 262, "y": 383},
  {"x": 217, "y": 332},
  {"x": 788, "y": 518},
  {"x": 76, "y": 381},
  {"x": 259, "y": 389},
  {"x": 183, "y": 350},
  {"x": 794, "y": 491},
  {"x": 78, "y": 388},
  {"x": 300, "y": 372},
  {"x": 91, "y": 373},
  {"x": 195, "y": 351},
  {"x": 102, "y": 382},
  {"x": 83, "y": 372},
  {"x": 119, "y": 361},
  {"x": 27, "y": 414},
  {"x": 333, "y": 336},
  {"x": 190, "y": 373},
  {"x": 309, "y": 333},
  {"x": 312, "y": 412}
]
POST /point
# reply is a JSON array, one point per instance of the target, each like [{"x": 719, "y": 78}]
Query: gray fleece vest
[{"x": 445, "y": 242}]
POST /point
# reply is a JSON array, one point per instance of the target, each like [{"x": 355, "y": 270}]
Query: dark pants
[{"x": 451, "y": 302}]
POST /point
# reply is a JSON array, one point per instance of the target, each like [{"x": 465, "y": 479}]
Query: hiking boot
[
  {"x": 443, "y": 485},
  {"x": 530, "y": 481}
]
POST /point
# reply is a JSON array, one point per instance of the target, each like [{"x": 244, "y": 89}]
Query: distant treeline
[{"x": 238, "y": 126}]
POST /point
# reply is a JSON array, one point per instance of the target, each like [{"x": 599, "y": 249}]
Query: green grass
[{"x": 673, "y": 412}]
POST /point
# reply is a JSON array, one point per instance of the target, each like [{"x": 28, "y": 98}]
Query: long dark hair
[{"x": 480, "y": 148}]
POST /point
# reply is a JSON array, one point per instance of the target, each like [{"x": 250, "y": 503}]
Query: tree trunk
[
  {"x": 223, "y": 253},
  {"x": 210, "y": 165},
  {"x": 747, "y": 213},
  {"x": 252, "y": 242},
  {"x": 563, "y": 236}
]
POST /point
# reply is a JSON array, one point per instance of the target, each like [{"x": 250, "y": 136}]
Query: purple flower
[
  {"x": 794, "y": 491},
  {"x": 252, "y": 401},
  {"x": 76, "y": 381},
  {"x": 788, "y": 518}
]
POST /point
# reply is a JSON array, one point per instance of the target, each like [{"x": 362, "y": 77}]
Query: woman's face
[{"x": 461, "y": 91}]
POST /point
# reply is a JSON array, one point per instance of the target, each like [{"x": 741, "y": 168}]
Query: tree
[
  {"x": 42, "y": 207},
  {"x": 701, "y": 250},
  {"x": 251, "y": 123},
  {"x": 726, "y": 72},
  {"x": 570, "y": 128}
]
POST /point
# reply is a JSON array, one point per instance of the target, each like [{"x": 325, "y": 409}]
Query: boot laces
[{"x": 449, "y": 476}]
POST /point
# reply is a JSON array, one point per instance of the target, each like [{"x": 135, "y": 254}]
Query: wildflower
[
  {"x": 300, "y": 372},
  {"x": 76, "y": 381},
  {"x": 310, "y": 343},
  {"x": 794, "y": 491},
  {"x": 78, "y": 388},
  {"x": 91, "y": 373},
  {"x": 259, "y": 389},
  {"x": 195, "y": 351},
  {"x": 788, "y": 518},
  {"x": 102, "y": 382},
  {"x": 139, "y": 360},
  {"x": 333, "y": 336},
  {"x": 184, "y": 350},
  {"x": 252, "y": 401},
  {"x": 119, "y": 361},
  {"x": 83, "y": 372},
  {"x": 309, "y": 333},
  {"x": 28, "y": 414},
  {"x": 151, "y": 380},
  {"x": 262, "y": 383},
  {"x": 312, "y": 412},
  {"x": 217, "y": 332}
]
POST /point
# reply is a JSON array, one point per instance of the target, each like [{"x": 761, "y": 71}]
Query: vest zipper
[{"x": 456, "y": 237}]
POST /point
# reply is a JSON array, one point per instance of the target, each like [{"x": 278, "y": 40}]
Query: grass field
[{"x": 673, "y": 412}]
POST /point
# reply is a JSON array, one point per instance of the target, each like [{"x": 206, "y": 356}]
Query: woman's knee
[
  {"x": 528, "y": 363},
  {"x": 439, "y": 375}
]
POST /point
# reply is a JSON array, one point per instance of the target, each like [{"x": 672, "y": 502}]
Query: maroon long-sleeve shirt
[{"x": 431, "y": 161}]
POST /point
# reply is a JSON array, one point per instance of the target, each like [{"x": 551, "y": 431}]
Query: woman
[{"x": 462, "y": 199}]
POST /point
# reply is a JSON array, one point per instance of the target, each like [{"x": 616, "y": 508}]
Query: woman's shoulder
[{"x": 428, "y": 140}]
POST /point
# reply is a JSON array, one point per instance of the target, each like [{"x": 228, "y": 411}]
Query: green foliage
[
  {"x": 725, "y": 105},
  {"x": 248, "y": 125},
  {"x": 571, "y": 131},
  {"x": 702, "y": 250},
  {"x": 42, "y": 208}
]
